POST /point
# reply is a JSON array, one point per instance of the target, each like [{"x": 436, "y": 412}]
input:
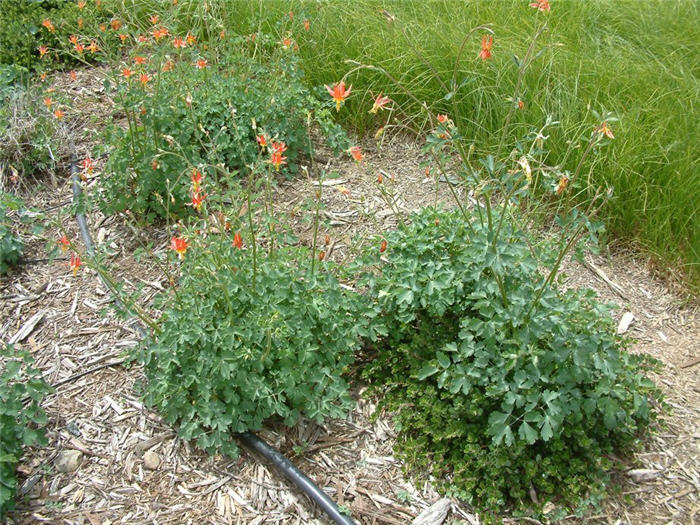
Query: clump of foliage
[
  {"x": 21, "y": 32},
  {"x": 202, "y": 113},
  {"x": 242, "y": 341},
  {"x": 499, "y": 386},
  {"x": 19, "y": 381},
  {"x": 11, "y": 246},
  {"x": 30, "y": 136}
]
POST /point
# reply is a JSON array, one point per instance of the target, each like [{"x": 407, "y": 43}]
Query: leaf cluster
[
  {"x": 239, "y": 344},
  {"x": 493, "y": 393},
  {"x": 11, "y": 246},
  {"x": 19, "y": 381},
  {"x": 206, "y": 118},
  {"x": 21, "y": 32}
]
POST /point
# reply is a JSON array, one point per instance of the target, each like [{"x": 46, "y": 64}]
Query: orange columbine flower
[
  {"x": 58, "y": 113},
  {"x": 286, "y": 42},
  {"x": 321, "y": 255},
  {"x": 382, "y": 247},
  {"x": 190, "y": 39},
  {"x": 262, "y": 141},
  {"x": 339, "y": 93},
  {"x": 307, "y": 25},
  {"x": 379, "y": 103},
  {"x": 88, "y": 165},
  {"x": 79, "y": 47},
  {"x": 123, "y": 37},
  {"x": 64, "y": 243},
  {"x": 603, "y": 129},
  {"x": 201, "y": 63},
  {"x": 442, "y": 119},
  {"x": 276, "y": 157},
  {"x": 380, "y": 179},
  {"x": 278, "y": 147},
  {"x": 154, "y": 19},
  {"x": 43, "y": 76},
  {"x": 116, "y": 24},
  {"x": 80, "y": 22},
  {"x": 144, "y": 78},
  {"x": 160, "y": 33},
  {"x": 521, "y": 104},
  {"x": 356, "y": 153},
  {"x": 238, "y": 241},
  {"x": 142, "y": 39},
  {"x": 81, "y": 4},
  {"x": 140, "y": 60},
  {"x": 42, "y": 51},
  {"x": 179, "y": 245},
  {"x": 196, "y": 178},
  {"x": 103, "y": 27},
  {"x": 179, "y": 42},
  {"x": 48, "y": 101},
  {"x": 563, "y": 183},
  {"x": 48, "y": 25},
  {"x": 93, "y": 47},
  {"x": 73, "y": 39},
  {"x": 127, "y": 72},
  {"x": 486, "y": 44},
  {"x": 75, "y": 263},
  {"x": 327, "y": 240},
  {"x": 73, "y": 75},
  {"x": 168, "y": 66},
  {"x": 541, "y": 5},
  {"x": 198, "y": 198}
]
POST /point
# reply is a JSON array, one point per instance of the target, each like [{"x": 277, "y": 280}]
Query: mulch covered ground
[{"x": 129, "y": 467}]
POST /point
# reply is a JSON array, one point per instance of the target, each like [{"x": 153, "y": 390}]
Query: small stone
[
  {"x": 435, "y": 514},
  {"x": 640, "y": 475},
  {"x": 151, "y": 460},
  {"x": 68, "y": 460}
]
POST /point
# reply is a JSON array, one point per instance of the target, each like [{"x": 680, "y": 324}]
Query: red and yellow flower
[
  {"x": 64, "y": 243},
  {"x": 541, "y": 5},
  {"x": 339, "y": 93},
  {"x": 486, "y": 45},
  {"x": 179, "y": 245},
  {"x": 75, "y": 263},
  {"x": 237, "y": 240},
  {"x": 356, "y": 153},
  {"x": 380, "y": 103},
  {"x": 603, "y": 129}
]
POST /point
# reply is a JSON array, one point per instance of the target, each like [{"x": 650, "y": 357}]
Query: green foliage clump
[
  {"x": 208, "y": 117},
  {"x": 21, "y": 32},
  {"x": 11, "y": 246},
  {"x": 18, "y": 380},
  {"x": 241, "y": 342},
  {"x": 494, "y": 390}
]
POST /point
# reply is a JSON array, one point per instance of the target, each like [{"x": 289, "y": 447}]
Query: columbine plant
[{"x": 504, "y": 386}]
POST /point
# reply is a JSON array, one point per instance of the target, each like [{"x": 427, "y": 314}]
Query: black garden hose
[{"x": 251, "y": 441}]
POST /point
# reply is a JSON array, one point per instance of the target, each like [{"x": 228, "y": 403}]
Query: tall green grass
[{"x": 640, "y": 60}]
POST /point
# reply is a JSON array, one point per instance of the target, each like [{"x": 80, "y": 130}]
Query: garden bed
[{"x": 101, "y": 416}]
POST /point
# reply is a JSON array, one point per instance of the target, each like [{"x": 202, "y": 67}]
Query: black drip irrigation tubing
[{"x": 248, "y": 439}]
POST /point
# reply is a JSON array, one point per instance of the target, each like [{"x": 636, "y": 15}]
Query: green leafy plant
[
  {"x": 11, "y": 246},
  {"x": 21, "y": 32},
  {"x": 246, "y": 337},
  {"x": 19, "y": 382},
  {"x": 499, "y": 388},
  {"x": 203, "y": 113},
  {"x": 31, "y": 140}
]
